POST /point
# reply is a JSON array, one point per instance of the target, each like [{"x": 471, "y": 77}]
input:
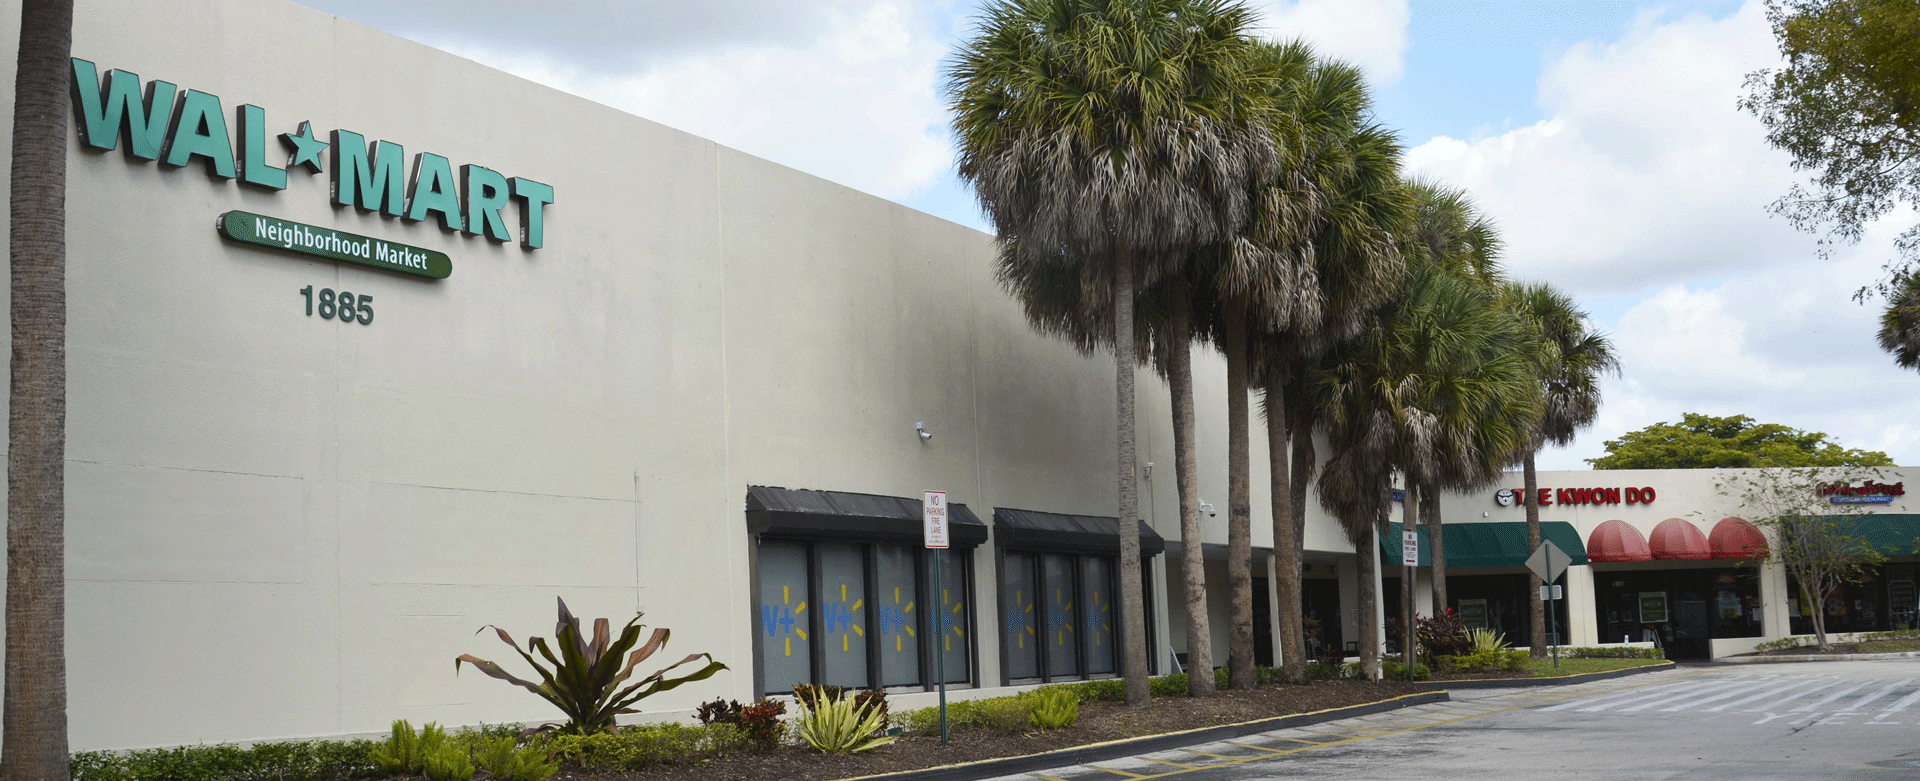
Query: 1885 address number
[{"x": 345, "y": 306}]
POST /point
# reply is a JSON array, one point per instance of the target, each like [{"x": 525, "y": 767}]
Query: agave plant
[
  {"x": 587, "y": 677},
  {"x": 1487, "y": 640}
]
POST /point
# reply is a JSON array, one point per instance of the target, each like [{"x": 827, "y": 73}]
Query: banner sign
[
  {"x": 331, "y": 244},
  {"x": 1868, "y": 492}
]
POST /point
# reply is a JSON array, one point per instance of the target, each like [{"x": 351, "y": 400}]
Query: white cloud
[
  {"x": 1371, "y": 34},
  {"x": 1645, "y": 172},
  {"x": 1646, "y": 179},
  {"x": 854, "y": 100}
]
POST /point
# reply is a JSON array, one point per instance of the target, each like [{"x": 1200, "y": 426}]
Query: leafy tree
[
  {"x": 33, "y": 740},
  {"x": 1708, "y": 442},
  {"x": 1572, "y": 358},
  {"x": 1106, "y": 140},
  {"x": 1847, "y": 108},
  {"x": 1818, "y": 542}
]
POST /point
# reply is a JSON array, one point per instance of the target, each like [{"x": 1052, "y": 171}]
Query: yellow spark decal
[
  {"x": 843, "y": 592},
  {"x": 896, "y": 643},
  {"x": 858, "y": 631},
  {"x": 843, "y": 642},
  {"x": 789, "y": 646},
  {"x": 801, "y": 632},
  {"x": 857, "y": 603}
]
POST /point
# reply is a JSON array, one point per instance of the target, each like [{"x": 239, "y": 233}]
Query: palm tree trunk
[
  {"x": 1300, "y": 431},
  {"x": 1186, "y": 469},
  {"x": 1408, "y": 574},
  {"x": 1536, "y": 610},
  {"x": 1436, "y": 544},
  {"x": 1133, "y": 614},
  {"x": 33, "y": 739},
  {"x": 1369, "y": 555},
  {"x": 1286, "y": 541},
  {"x": 1233, "y": 342}
]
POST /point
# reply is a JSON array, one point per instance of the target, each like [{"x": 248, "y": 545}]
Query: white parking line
[
  {"x": 1768, "y": 708},
  {"x": 1664, "y": 700},
  {"x": 1696, "y": 702},
  {"x": 1831, "y": 697},
  {"x": 1903, "y": 702},
  {"x": 1802, "y": 687},
  {"x": 1627, "y": 696},
  {"x": 1878, "y": 694}
]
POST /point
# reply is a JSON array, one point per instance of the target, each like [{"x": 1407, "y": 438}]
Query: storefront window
[
  {"x": 1060, "y": 619},
  {"x": 1680, "y": 610},
  {"x": 1882, "y": 598},
  {"x": 820, "y": 623}
]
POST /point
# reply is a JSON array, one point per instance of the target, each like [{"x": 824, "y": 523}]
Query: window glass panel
[
  {"x": 1020, "y": 624},
  {"x": 898, "y": 606},
  {"x": 954, "y": 644},
  {"x": 1062, "y": 629},
  {"x": 843, "y": 608},
  {"x": 1096, "y": 601},
  {"x": 784, "y": 649}
]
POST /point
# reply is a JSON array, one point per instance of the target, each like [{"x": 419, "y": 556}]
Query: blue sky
[{"x": 1601, "y": 136}]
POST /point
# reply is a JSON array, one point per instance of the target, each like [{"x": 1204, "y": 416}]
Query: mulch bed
[
  {"x": 1811, "y": 650},
  {"x": 1099, "y": 721}
]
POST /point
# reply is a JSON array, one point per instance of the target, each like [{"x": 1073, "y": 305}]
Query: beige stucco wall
[{"x": 286, "y": 526}]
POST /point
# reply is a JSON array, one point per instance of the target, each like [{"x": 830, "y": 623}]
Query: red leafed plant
[{"x": 587, "y": 678}]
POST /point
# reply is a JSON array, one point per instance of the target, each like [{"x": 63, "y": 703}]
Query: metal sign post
[
  {"x": 1409, "y": 556},
  {"x": 933, "y": 514},
  {"x": 1548, "y": 561}
]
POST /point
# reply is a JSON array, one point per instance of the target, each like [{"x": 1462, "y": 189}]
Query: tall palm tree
[
  {"x": 33, "y": 739},
  {"x": 1334, "y": 223},
  {"x": 1450, "y": 235},
  {"x": 1439, "y": 384},
  {"x": 1571, "y": 358},
  {"x": 1110, "y": 137},
  {"x": 1900, "y": 323}
]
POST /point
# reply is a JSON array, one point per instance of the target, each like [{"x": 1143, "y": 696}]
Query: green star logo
[{"x": 306, "y": 148}]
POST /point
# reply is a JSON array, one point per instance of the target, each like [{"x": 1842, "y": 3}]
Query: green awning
[
  {"x": 1486, "y": 544},
  {"x": 1892, "y": 534}
]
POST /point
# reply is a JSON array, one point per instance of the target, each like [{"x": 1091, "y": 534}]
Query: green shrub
[
  {"x": 592, "y": 694},
  {"x": 1053, "y": 707},
  {"x": 1492, "y": 660},
  {"x": 1352, "y": 670},
  {"x": 760, "y": 721},
  {"x": 1617, "y": 652},
  {"x": 1103, "y": 690},
  {"x": 313, "y": 760},
  {"x": 427, "y": 753},
  {"x": 500, "y": 760},
  {"x": 1485, "y": 640},
  {"x": 1778, "y": 645},
  {"x": 649, "y": 745},
  {"x": 842, "y": 726},
  {"x": 1393, "y": 669},
  {"x": 1170, "y": 685},
  {"x": 995, "y": 714},
  {"x": 1325, "y": 671}
]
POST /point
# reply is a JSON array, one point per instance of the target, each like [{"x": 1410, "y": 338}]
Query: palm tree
[
  {"x": 1900, "y": 324},
  {"x": 1571, "y": 358},
  {"x": 1438, "y": 386},
  {"x": 33, "y": 740},
  {"x": 1450, "y": 235},
  {"x": 1106, "y": 139},
  {"x": 1331, "y": 224}
]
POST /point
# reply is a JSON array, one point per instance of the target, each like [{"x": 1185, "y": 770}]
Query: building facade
[{"x": 371, "y": 346}]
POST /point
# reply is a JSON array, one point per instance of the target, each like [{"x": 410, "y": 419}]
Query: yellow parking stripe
[
  {"x": 1255, "y": 748},
  {"x": 1205, "y": 754},
  {"x": 1172, "y": 764},
  {"x": 1119, "y": 772}
]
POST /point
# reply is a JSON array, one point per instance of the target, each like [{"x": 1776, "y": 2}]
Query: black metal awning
[
  {"x": 1035, "y": 530},
  {"x": 850, "y": 516}
]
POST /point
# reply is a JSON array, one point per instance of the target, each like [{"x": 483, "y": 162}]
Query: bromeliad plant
[{"x": 586, "y": 680}]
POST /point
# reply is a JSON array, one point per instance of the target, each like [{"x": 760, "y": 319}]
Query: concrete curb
[
  {"x": 989, "y": 768},
  {"x": 1815, "y": 658},
  {"x": 1564, "y": 680}
]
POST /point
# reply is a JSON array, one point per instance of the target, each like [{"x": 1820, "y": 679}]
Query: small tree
[{"x": 1816, "y": 539}]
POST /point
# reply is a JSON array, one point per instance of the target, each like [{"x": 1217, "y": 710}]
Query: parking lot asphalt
[{"x": 1836, "y": 720}]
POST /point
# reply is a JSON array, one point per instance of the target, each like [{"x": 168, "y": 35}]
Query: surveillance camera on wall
[{"x": 1207, "y": 507}]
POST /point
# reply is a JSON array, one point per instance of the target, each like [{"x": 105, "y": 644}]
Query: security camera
[
  {"x": 1207, "y": 507},
  {"x": 924, "y": 433}
]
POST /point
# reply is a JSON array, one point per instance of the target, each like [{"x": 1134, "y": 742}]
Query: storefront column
[
  {"x": 1273, "y": 610},
  {"x": 1423, "y": 592},
  {"x": 1349, "y": 617},
  {"x": 1585, "y": 629},
  {"x": 1379, "y": 616},
  {"x": 1162, "y": 628},
  {"x": 1776, "y": 608}
]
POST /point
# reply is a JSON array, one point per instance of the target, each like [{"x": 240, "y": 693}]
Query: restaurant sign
[
  {"x": 1868, "y": 492},
  {"x": 1508, "y": 497}
]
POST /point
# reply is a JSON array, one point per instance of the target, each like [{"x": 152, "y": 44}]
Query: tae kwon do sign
[
  {"x": 1868, "y": 492},
  {"x": 1546, "y": 496},
  {"x": 156, "y": 121}
]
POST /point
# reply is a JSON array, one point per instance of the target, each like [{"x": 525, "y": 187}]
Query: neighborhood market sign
[{"x": 178, "y": 128}]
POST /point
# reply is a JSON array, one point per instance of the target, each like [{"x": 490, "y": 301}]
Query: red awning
[
  {"x": 1736, "y": 538},
  {"x": 1678, "y": 539},
  {"x": 1617, "y": 541}
]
